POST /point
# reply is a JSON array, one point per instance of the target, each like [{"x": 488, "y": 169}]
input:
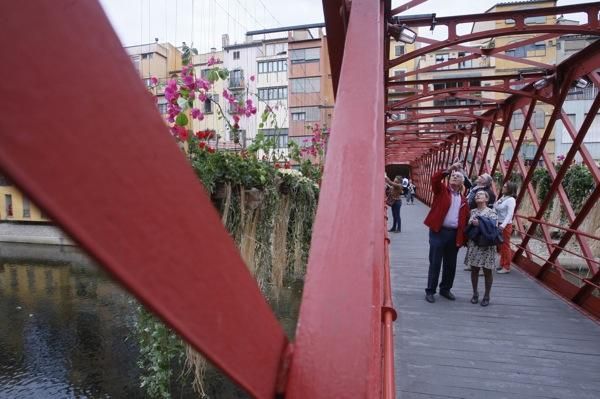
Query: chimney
[{"x": 225, "y": 40}]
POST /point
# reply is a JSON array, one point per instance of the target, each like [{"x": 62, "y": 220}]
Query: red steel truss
[
  {"x": 152, "y": 226},
  {"x": 423, "y": 131}
]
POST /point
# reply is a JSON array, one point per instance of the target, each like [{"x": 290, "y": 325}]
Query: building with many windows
[{"x": 310, "y": 88}]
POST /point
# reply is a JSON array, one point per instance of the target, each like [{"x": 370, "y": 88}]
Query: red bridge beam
[
  {"x": 339, "y": 337},
  {"x": 103, "y": 165}
]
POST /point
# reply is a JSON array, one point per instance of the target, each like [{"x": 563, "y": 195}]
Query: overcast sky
[{"x": 204, "y": 21}]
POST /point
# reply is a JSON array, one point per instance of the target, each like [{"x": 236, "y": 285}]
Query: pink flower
[
  {"x": 153, "y": 80},
  {"x": 236, "y": 118},
  {"x": 252, "y": 78},
  {"x": 212, "y": 61},
  {"x": 203, "y": 84},
  {"x": 189, "y": 81},
  {"x": 197, "y": 114}
]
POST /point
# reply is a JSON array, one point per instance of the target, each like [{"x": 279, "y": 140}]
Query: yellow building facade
[{"x": 16, "y": 207}]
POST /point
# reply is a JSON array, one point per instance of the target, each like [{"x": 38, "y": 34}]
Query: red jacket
[{"x": 440, "y": 206}]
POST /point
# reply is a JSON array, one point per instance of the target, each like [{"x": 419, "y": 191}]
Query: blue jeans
[
  {"x": 442, "y": 251},
  {"x": 397, "y": 224}
]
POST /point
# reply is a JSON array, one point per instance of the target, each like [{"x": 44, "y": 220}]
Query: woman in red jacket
[{"x": 446, "y": 220}]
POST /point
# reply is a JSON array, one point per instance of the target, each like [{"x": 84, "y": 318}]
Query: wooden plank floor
[{"x": 527, "y": 344}]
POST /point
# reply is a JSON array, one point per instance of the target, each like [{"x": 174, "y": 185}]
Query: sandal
[
  {"x": 475, "y": 299},
  {"x": 485, "y": 301}
]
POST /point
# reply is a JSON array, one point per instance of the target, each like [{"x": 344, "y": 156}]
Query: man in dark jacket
[{"x": 446, "y": 221}]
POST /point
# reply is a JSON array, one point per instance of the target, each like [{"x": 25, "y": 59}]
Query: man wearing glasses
[{"x": 446, "y": 220}]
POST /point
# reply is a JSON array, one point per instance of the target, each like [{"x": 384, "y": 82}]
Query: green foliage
[
  {"x": 187, "y": 53},
  {"x": 224, "y": 167},
  {"x": 182, "y": 119},
  {"x": 267, "y": 145},
  {"x": 541, "y": 182},
  {"x": 578, "y": 184},
  {"x": 159, "y": 349}
]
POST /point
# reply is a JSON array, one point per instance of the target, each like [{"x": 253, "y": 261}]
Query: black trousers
[
  {"x": 397, "y": 222},
  {"x": 442, "y": 255}
]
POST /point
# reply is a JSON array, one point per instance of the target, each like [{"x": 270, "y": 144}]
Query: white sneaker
[{"x": 503, "y": 271}]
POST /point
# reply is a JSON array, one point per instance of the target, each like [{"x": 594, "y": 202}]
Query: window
[
  {"x": 400, "y": 73},
  {"x": 4, "y": 181},
  {"x": 236, "y": 78},
  {"x": 309, "y": 114},
  {"x": 539, "y": 117},
  {"x": 439, "y": 58},
  {"x": 236, "y": 55},
  {"x": 305, "y": 55},
  {"x": 516, "y": 122},
  {"x": 273, "y": 93},
  {"x": 204, "y": 73},
  {"x": 541, "y": 19},
  {"x": 519, "y": 52},
  {"x": 272, "y": 66},
  {"x": 279, "y": 135},
  {"x": 207, "y": 107},
  {"x": 298, "y": 116},
  {"x": 399, "y": 50},
  {"x": 464, "y": 63},
  {"x": 302, "y": 141},
  {"x": 162, "y": 108},
  {"x": 26, "y": 208},
  {"x": 531, "y": 50},
  {"x": 305, "y": 85},
  {"x": 8, "y": 207}
]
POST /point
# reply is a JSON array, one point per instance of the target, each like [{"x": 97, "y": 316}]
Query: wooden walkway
[{"x": 527, "y": 344}]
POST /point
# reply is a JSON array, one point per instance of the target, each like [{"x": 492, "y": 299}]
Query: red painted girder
[
  {"x": 583, "y": 151},
  {"x": 518, "y": 160},
  {"x": 517, "y": 78},
  {"x": 338, "y": 344},
  {"x": 518, "y": 145},
  {"x": 560, "y": 190},
  {"x": 483, "y": 89},
  {"x": 510, "y": 31},
  {"x": 503, "y": 15},
  {"x": 80, "y": 134},
  {"x": 558, "y": 177},
  {"x": 561, "y": 94},
  {"x": 478, "y": 51},
  {"x": 423, "y": 98}
]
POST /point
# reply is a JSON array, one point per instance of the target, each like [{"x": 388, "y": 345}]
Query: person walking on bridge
[{"x": 446, "y": 221}]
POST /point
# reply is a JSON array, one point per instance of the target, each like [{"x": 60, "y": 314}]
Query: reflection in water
[
  {"x": 64, "y": 334},
  {"x": 66, "y": 331}
]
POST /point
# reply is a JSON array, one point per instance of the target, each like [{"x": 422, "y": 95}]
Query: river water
[{"x": 67, "y": 330}]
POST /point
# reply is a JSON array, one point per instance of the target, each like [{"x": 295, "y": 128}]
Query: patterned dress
[{"x": 481, "y": 256}]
